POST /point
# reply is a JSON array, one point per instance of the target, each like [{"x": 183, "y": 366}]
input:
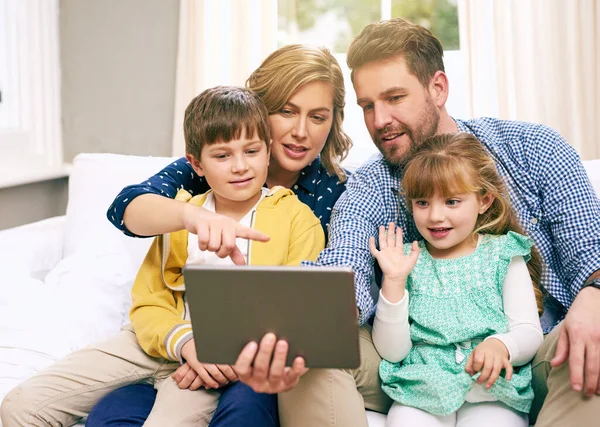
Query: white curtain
[
  {"x": 220, "y": 43},
  {"x": 536, "y": 61}
]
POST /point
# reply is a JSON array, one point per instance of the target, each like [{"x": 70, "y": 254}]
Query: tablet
[{"x": 312, "y": 308}]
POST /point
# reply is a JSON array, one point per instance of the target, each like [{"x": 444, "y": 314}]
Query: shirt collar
[{"x": 309, "y": 176}]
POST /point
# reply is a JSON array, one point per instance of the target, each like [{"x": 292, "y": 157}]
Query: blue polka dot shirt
[{"x": 315, "y": 188}]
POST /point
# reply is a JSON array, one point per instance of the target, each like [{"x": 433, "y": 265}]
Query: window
[
  {"x": 30, "y": 133},
  {"x": 334, "y": 23}
]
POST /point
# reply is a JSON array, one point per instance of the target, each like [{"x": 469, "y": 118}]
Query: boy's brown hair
[
  {"x": 220, "y": 114},
  {"x": 421, "y": 50}
]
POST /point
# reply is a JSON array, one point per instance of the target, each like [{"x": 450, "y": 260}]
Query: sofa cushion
[
  {"x": 592, "y": 167},
  {"x": 95, "y": 181}
]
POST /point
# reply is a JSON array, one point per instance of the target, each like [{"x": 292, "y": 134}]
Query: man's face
[{"x": 399, "y": 112}]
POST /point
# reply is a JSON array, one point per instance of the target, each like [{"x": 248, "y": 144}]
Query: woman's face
[{"x": 301, "y": 127}]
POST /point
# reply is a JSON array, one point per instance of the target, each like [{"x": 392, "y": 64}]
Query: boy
[{"x": 227, "y": 142}]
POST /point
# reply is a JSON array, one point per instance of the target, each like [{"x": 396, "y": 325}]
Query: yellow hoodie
[{"x": 158, "y": 310}]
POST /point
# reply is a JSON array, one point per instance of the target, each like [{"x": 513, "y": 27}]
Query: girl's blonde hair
[
  {"x": 288, "y": 69},
  {"x": 456, "y": 164}
]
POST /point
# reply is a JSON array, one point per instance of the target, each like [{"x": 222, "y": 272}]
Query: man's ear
[
  {"x": 438, "y": 88},
  {"x": 485, "y": 202},
  {"x": 195, "y": 164}
]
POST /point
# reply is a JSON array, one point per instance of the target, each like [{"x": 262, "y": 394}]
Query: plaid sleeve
[
  {"x": 572, "y": 210},
  {"x": 355, "y": 218},
  {"x": 167, "y": 182}
]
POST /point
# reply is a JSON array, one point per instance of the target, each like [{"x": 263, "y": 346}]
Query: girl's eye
[
  {"x": 319, "y": 119},
  {"x": 452, "y": 202},
  {"x": 286, "y": 112},
  {"x": 421, "y": 203}
]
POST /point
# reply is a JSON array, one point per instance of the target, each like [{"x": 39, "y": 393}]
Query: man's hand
[
  {"x": 210, "y": 375},
  {"x": 579, "y": 341},
  {"x": 489, "y": 358},
  {"x": 255, "y": 367},
  {"x": 217, "y": 233}
]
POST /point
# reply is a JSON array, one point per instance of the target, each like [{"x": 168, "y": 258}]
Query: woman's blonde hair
[
  {"x": 288, "y": 69},
  {"x": 456, "y": 164}
]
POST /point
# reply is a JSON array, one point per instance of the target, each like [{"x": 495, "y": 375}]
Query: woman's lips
[{"x": 295, "y": 151}]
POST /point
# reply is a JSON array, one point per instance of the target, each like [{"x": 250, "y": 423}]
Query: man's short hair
[
  {"x": 220, "y": 114},
  {"x": 421, "y": 50}
]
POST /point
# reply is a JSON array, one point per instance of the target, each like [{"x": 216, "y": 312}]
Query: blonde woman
[{"x": 303, "y": 90}]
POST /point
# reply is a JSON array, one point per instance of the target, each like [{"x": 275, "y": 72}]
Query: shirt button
[
  {"x": 534, "y": 221},
  {"x": 295, "y": 187}
]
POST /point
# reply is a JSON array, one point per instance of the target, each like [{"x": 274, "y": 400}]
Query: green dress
[{"x": 454, "y": 304}]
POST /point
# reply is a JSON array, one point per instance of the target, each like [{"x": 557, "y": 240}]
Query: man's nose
[{"x": 383, "y": 118}]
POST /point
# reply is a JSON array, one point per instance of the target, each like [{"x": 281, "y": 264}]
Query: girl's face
[
  {"x": 300, "y": 129},
  {"x": 447, "y": 223}
]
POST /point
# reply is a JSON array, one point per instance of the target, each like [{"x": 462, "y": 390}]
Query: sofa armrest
[{"x": 33, "y": 249}]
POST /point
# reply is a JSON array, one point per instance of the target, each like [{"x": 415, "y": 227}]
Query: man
[{"x": 398, "y": 75}]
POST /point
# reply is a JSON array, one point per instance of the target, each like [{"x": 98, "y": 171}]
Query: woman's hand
[
  {"x": 263, "y": 367},
  {"x": 395, "y": 265},
  {"x": 489, "y": 358}
]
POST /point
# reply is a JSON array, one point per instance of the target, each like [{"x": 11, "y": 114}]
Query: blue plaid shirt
[
  {"x": 549, "y": 189},
  {"x": 315, "y": 188}
]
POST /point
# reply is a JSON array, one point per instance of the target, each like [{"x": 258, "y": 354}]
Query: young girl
[{"x": 457, "y": 320}]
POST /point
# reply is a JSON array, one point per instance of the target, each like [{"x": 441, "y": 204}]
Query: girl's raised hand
[{"x": 396, "y": 266}]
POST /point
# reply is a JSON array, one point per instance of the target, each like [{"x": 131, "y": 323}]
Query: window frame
[{"x": 30, "y": 130}]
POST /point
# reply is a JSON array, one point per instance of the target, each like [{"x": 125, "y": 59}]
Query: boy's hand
[
  {"x": 489, "y": 357},
  {"x": 186, "y": 377},
  {"x": 211, "y": 375},
  {"x": 394, "y": 264},
  {"x": 217, "y": 233},
  {"x": 263, "y": 367}
]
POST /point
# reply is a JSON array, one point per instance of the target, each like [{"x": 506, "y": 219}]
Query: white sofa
[{"x": 66, "y": 280}]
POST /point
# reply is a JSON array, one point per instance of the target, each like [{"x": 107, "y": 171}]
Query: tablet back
[{"x": 313, "y": 308}]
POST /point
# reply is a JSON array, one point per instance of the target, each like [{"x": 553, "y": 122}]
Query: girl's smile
[{"x": 448, "y": 223}]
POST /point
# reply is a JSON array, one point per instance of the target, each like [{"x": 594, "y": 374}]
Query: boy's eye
[
  {"x": 221, "y": 156},
  {"x": 252, "y": 151}
]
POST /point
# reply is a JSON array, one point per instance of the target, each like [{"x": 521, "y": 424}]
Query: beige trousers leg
[
  {"x": 335, "y": 397},
  {"x": 177, "y": 407},
  {"x": 555, "y": 403},
  {"x": 67, "y": 390}
]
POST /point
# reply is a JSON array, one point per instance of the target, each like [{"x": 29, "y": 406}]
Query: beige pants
[
  {"x": 67, "y": 391},
  {"x": 338, "y": 397},
  {"x": 555, "y": 403},
  {"x": 335, "y": 397}
]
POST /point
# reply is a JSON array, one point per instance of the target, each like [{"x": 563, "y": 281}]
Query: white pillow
[
  {"x": 592, "y": 167},
  {"x": 84, "y": 299},
  {"x": 95, "y": 181}
]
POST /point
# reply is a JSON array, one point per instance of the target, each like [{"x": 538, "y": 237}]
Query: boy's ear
[
  {"x": 485, "y": 202},
  {"x": 195, "y": 164}
]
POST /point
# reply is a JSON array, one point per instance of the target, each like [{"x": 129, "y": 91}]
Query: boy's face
[{"x": 235, "y": 170}]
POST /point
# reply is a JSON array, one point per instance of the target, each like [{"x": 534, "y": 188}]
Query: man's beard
[{"x": 398, "y": 154}]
